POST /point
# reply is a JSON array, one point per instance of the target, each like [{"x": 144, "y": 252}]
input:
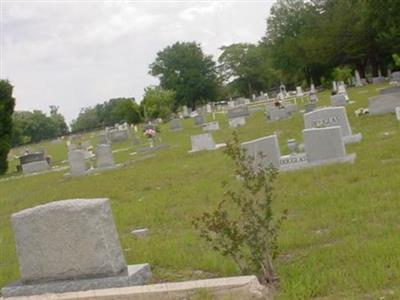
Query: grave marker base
[{"x": 137, "y": 275}]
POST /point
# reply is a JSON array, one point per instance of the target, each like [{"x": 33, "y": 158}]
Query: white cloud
[{"x": 76, "y": 54}]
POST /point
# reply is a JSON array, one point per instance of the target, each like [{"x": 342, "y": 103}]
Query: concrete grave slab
[{"x": 383, "y": 104}]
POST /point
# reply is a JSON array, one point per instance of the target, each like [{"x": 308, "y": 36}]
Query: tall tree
[
  {"x": 7, "y": 104},
  {"x": 185, "y": 69},
  {"x": 157, "y": 102}
]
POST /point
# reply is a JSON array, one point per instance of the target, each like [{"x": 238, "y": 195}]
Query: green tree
[
  {"x": 185, "y": 69},
  {"x": 157, "y": 102},
  {"x": 58, "y": 120},
  {"x": 7, "y": 104}
]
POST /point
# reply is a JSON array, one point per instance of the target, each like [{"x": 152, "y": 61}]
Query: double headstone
[
  {"x": 68, "y": 246},
  {"x": 34, "y": 163},
  {"x": 332, "y": 116}
]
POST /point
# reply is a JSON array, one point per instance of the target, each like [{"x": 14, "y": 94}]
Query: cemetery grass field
[{"x": 341, "y": 239}]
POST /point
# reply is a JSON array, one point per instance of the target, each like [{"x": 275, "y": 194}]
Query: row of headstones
[{"x": 77, "y": 160}]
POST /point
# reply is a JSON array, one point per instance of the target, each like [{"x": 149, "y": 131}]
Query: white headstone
[
  {"x": 327, "y": 117},
  {"x": 358, "y": 78},
  {"x": 299, "y": 91},
  {"x": 398, "y": 113}
]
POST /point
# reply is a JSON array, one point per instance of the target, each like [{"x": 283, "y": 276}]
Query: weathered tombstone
[
  {"x": 203, "y": 141},
  {"x": 334, "y": 86},
  {"x": 208, "y": 108},
  {"x": 118, "y": 135},
  {"x": 309, "y": 107},
  {"x": 77, "y": 163},
  {"x": 70, "y": 245},
  {"x": 33, "y": 163},
  {"x": 102, "y": 139},
  {"x": 291, "y": 108},
  {"x": 198, "y": 120},
  {"x": 299, "y": 91},
  {"x": 395, "y": 76},
  {"x": 312, "y": 89},
  {"x": 397, "y": 110},
  {"x": 240, "y": 111},
  {"x": 175, "y": 125},
  {"x": 275, "y": 114},
  {"x": 268, "y": 147},
  {"x": 358, "y": 78},
  {"x": 104, "y": 156},
  {"x": 236, "y": 122},
  {"x": 185, "y": 112},
  {"x": 211, "y": 126},
  {"x": 390, "y": 90},
  {"x": 332, "y": 116},
  {"x": 338, "y": 100},
  {"x": 383, "y": 104},
  {"x": 324, "y": 144}
]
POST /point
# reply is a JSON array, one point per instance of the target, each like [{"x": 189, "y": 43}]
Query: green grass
[{"x": 341, "y": 240}]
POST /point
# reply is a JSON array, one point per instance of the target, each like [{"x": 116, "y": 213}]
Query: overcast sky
[{"x": 75, "y": 54}]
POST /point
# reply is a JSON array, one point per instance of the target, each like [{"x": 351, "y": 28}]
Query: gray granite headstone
[
  {"x": 118, "y": 135},
  {"x": 211, "y": 126},
  {"x": 338, "y": 100},
  {"x": 203, "y": 141},
  {"x": 103, "y": 139},
  {"x": 240, "y": 111},
  {"x": 104, "y": 156},
  {"x": 236, "y": 122},
  {"x": 390, "y": 90},
  {"x": 268, "y": 147},
  {"x": 383, "y": 104},
  {"x": 35, "y": 167},
  {"x": 326, "y": 117},
  {"x": 175, "y": 125},
  {"x": 70, "y": 245},
  {"x": 77, "y": 163},
  {"x": 323, "y": 144},
  {"x": 276, "y": 114},
  {"x": 198, "y": 120}
]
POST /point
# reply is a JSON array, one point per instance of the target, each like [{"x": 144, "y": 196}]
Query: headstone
[
  {"x": 395, "y": 76},
  {"x": 358, "y": 78},
  {"x": 397, "y": 110},
  {"x": 117, "y": 135},
  {"x": 77, "y": 163},
  {"x": 323, "y": 144},
  {"x": 35, "y": 167},
  {"x": 383, "y": 104},
  {"x": 240, "y": 111},
  {"x": 208, "y": 108},
  {"x": 198, "y": 120},
  {"x": 390, "y": 90},
  {"x": 282, "y": 91},
  {"x": 312, "y": 89},
  {"x": 104, "y": 156},
  {"x": 334, "y": 86},
  {"x": 67, "y": 246},
  {"x": 268, "y": 147},
  {"x": 203, "y": 141},
  {"x": 342, "y": 89},
  {"x": 185, "y": 112},
  {"x": 338, "y": 100},
  {"x": 236, "y": 122},
  {"x": 376, "y": 80},
  {"x": 275, "y": 114},
  {"x": 309, "y": 107},
  {"x": 299, "y": 91},
  {"x": 291, "y": 108},
  {"x": 175, "y": 125},
  {"x": 102, "y": 139},
  {"x": 331, "y": 116},
  {"x": 211, "y": 126}
]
